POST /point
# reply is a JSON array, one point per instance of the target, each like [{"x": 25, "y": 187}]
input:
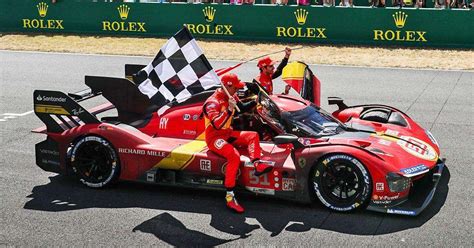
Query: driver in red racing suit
[
  {"x": 268, "y": 72},
  {"x": 222, "y": 139}
]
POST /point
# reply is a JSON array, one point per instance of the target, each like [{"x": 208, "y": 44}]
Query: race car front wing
[{"x": 421, "y": 194}]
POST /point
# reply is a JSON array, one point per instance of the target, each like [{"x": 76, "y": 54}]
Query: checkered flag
[{"x": 178, "y": 71}]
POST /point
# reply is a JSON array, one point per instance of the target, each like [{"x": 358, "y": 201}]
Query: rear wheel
[
  {"x": 341, "y": 182},
  {"x": 95, "y": 162}
]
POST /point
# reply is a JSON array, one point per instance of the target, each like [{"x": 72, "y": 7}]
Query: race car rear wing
[{"x": 59, "y": 111}]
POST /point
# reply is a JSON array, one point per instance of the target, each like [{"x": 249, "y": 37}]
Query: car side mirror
[{"x": 285, "y": 139}]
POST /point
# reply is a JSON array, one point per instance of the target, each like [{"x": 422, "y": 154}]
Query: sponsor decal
[
  {"x": 214, "y": 181},
  {"x": 418, "y": 148},
  {"x": 77, "y": 111},
  {"x": 143, "y": 152},
  {"x": 379, "y": 187},
  {"x": 210, "y": 27},
  {"x": 219, "y": 143},
  {"x": 302, "y": 162},
  {"x": 382, "y": 202},
  {"x": 150, "y": 176},
  {"x": 414, "y": 170},
  {"x": 50, "y": 109},
  {"x": 41, "y": 22},
  {"x": 40, "y": 98},
  {"x": 391, "y": 132},
  {"x": 384, "y": 142},
  {"x": 385, "y": 198},
  {"x": 398, "y": 211},
  {"x": 123, "y": 25},
  {"x": 205, "y": 165},
  {"x": 49, "y": 152},
  {"x": 288, "y": 184},
  {"x": 163, "y": 123},
  {"x": 263, "y": 191},
  {"x": 189, "y": 132},
  {"x": 400, "y": 19},
  {"x": 186, "y": 117},
  {"x": 301, "y": 31}
]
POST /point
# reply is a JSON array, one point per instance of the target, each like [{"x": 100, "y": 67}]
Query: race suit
[
  {"x": 222, "y": 139},
  {"x": 265, "y": 80}
]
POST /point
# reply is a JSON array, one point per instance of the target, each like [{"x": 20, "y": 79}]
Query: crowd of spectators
[{"x": 327, "y": 3}]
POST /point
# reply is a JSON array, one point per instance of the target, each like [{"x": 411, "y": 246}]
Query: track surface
[{"x": 43, "y": 209}]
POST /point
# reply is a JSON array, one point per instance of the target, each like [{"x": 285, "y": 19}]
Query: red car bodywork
[{"x": 170, "y": 149}]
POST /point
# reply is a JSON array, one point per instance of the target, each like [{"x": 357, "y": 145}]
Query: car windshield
[{"x": 311, "y": 121}]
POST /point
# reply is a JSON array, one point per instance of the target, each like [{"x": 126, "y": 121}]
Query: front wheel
[
  {"x": 95, "y": 162},
  {"x": 341, "y": 183}
]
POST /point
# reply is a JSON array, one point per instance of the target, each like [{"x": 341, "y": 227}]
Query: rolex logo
[
  {"x": 123, "y": 11},
  {"x": 301, "y": 15},
  {"x": 400, "y": 19},
  {"x": 209, "y": 13},
  {"x": 42, "y": 9}
]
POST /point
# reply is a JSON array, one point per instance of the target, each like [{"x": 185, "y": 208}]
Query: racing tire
[
  {"x": 341, "y": 183},
  {"x": 94, "y": 161}
]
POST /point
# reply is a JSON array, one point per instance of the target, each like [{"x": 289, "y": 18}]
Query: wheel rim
[
  {"x": 93, "y": 162},
  {"x": 341, "y": 183}
]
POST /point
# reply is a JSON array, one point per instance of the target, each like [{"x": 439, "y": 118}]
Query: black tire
[
  {"x": 95, "y": 162},
  {"x": 341, "y": 183}
]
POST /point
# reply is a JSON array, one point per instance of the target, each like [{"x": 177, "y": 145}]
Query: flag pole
[
  {"x": 228, "y": 95},
  {"x": 225, "y": 70}
]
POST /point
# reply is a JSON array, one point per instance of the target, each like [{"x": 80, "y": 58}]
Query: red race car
[{"x": 367, "y": 156}]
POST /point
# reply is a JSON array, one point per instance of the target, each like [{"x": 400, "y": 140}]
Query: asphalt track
[{"x": 43, "y": 209}]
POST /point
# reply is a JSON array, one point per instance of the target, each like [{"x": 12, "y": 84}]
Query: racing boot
[
  {"x": 232, "y": 202},
  {"x": 262, "y": 167}
]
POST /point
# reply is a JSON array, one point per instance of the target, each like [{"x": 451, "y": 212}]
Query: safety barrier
[{"x": 310, "y": 24}]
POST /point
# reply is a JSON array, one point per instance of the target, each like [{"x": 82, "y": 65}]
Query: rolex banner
[{"x": 299, "y": 24}]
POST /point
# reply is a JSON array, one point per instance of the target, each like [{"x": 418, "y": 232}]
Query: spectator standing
[
  {"x": 346, "y": 3},
  {"x": 328, "y": 3},
  {"x": 377, "y": 3},
  {"x": 399, "y": 3}
]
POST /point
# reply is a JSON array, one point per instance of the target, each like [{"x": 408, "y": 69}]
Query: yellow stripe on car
[{"x": 181, "y": 156}]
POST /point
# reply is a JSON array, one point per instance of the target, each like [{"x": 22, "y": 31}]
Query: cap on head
[
  {"x": 265, "y": 62},
  {"x": 231, "y": 79}
]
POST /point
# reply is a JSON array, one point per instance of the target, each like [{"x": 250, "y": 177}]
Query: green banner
[{"x": 311, "y": 24}]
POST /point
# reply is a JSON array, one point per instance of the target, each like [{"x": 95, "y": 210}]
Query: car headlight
[{"x": 397, "y": 183}]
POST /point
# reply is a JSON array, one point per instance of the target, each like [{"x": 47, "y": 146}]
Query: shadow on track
[{"x": 273, "y": 215}]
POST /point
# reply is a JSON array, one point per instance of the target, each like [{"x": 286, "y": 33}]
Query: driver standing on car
[
  {"x": 268, "y": 72},
  {"x": 223, "y": 140}
]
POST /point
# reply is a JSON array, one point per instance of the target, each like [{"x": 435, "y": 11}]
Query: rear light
[{"x": 397, "y": 183}]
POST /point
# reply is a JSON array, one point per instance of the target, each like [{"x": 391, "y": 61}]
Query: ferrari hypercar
[{"x": 365, "y": 156}]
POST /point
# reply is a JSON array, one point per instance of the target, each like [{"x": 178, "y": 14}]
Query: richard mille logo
[
  {"x": 124, "y": 25},
  {"x": 400, "y": 19},
  {"x": 42, "y": 23},
  {"x": 210, "y": 28},
  {"x": 301, "y": 16}
]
